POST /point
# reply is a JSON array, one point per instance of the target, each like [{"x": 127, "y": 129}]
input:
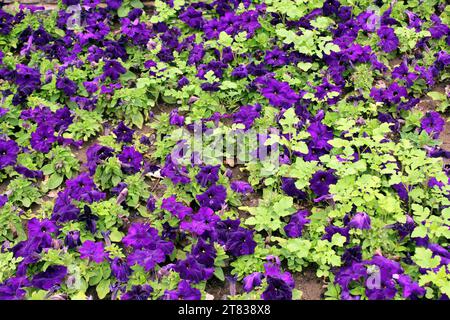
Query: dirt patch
[
  {"x": 80, "y": 153},
  {"x": 311, "y": 286}
]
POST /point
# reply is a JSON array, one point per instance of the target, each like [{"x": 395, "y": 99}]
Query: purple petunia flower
[
  {"x": 113, "y": 69},
  {"x": 410, "y": 288},
  {"x": 388, "y": 40},
  {"x": 8, "y": 153},
  {"x": 294, "y": 229},
  {"x": 204, "y": 253},
  {"x": 114, "y": 4},
  {"x": 120, "y": 269},
  {"x": 138, "y": 292},
  {"x": 275, "y": 58},
  {"x": 51, "y": 277},
  {"x": 288, "y": 186},
  {"x": 175, "y": 208},
  {"x": 147, "y": 258},
  {"x": 94, "y": 251},
  {"x": 247, "y": 115},
  {"x": 123, "y": 133},
  {"x": 68, "y": 86},
  {"x": 213, "y": 198},
  {"x": 131, "y": 160},
  {"x": 183, "y": 292},
  {"x": 240, "y": 242},
  {"x": 140, "y": 236},
  {"x": 208, "y": 175},
  {"x": 241, "y": 187},
  {"x": 321, "y": 180},
  {"x": 43, "y": 138},
  {"x": 72, "y": 239},
  {"x": 433, "y": 124},
  {"x": 360, "y": 220},
  {"x": 31, "y": 174},
  {"x": 277, "y": 289},
  {"x": 252, "y": 281},
  {"x": 192, "y": 270},
  {"x": 201, "y": 222},
  {"x": 12, "y": 288}
]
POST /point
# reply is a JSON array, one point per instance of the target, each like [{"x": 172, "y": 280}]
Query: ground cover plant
[{"x": 320, "y": 158}]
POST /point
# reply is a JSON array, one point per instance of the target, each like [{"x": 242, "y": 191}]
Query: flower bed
[{"x": 232, "y": 145}]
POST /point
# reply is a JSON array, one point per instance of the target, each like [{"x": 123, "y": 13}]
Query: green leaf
[
  {"x": 424, "y": 259},
  {"x": 116, "y": 235},
  {"x": 103, "y": 288},
  {"x": 218, "y": 272},
  {"x": 54, "y": 181}
]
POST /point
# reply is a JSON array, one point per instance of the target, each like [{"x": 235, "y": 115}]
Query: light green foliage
[{"x": 86, "y": 124}]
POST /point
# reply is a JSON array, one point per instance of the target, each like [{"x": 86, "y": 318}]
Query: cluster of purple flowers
[
  {"x": 381, "y": 277},
  {"x": 194, "y": 218},
  {"x": 279, "y": 284}
]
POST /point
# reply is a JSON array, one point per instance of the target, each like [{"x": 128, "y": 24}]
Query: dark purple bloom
[
  {"x": 68, "y": 86},
  {"x": 201, "y": 222},
  {"x": 331, "y": 230},
  {"x": 288, "y": 186},
  {"x": 405, "y": 229},
  {"x": 147, "y": 258},
  {"x": 131, "y": 160},
  {"x": 114, "y": 4},
  {"x": 247, "y": 115},
  {"x": 240, "y": 243},
  {"x": 294, "y": 228},
  {"x": 213, "y": 198},
  {"x": 241, "y": 187},
  {"x": 95, "y": 155},
  {"x": 411, "y": 289},
  {"x": 388, "y": 40},
  {"x": 151, "y": 203},
  {"x": 176, "y": 208},
  {"x": 139, "y": 292},
  {"x": 204, "y": 253},
  {"x": 113, "y": 69},
  {"x": 279, "y": 94},
  {"x": 183, "y": 292},
  {"x": 240, "y": 72},
  {"x": 321, "y": 181},
  {"x": 94, "y": 251},
  {"x": 225, "y": 228},
  {"x": 72, "y": 239},
  {"x": 51, "y": 277},
  {"x": 320, "y": 135},
  {"x": 12, "y": 288},
  {"x": 433, "y": 124},
  {"x": 43, "y": 138},
  {"x": 402, "y": 191},
  {"x": 31, "y": 174},
  {"x": 275, "y": 58},
  {"x": 123, "y": 133},
  {"x": 360, "y": 220},
  {"x": 89, "y": 219},
  {"x": 252, "y": 281},
  {"x": 8, "y": 153},
  {"x": 192, "y": 270},
  {"x": 277, "y": 289},
  {"x": 140, "y": 236},
  {"x": 175, "y": 119},
  {"x": 196, "y": 55},
  {"x": 208, "y": 175},
  {"x": 3, "y": 200},
  {"x": 352, "y": 255},
  {"x": 193, "y": 18}
]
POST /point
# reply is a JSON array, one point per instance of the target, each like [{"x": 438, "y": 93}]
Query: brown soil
[{"x": 311, "y": 286}]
